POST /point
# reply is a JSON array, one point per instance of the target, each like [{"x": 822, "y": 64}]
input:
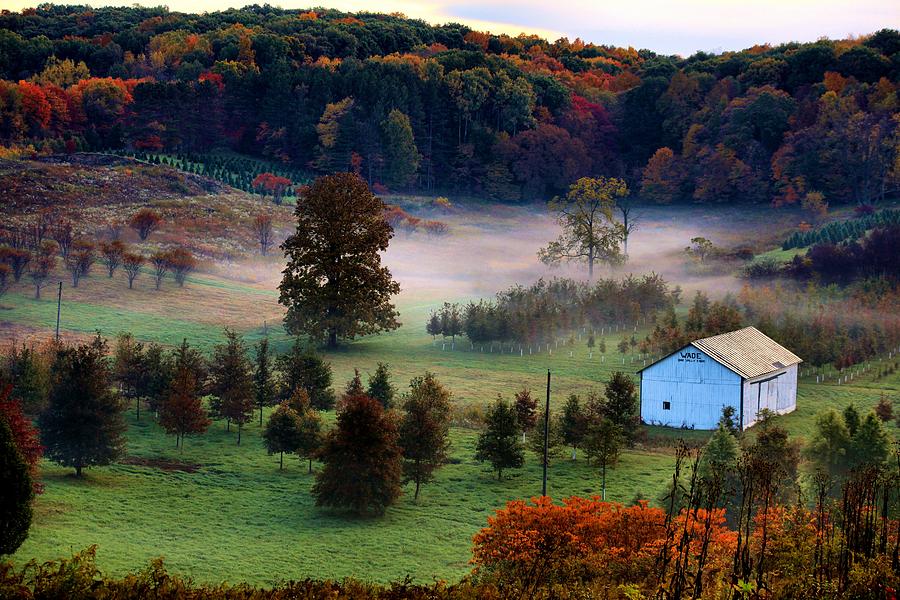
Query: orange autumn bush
[{"x": 585, "y": 539}]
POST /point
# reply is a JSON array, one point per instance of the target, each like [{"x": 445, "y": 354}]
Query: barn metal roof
[{"x": 748, "y": 352}]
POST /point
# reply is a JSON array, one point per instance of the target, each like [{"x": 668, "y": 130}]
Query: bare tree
[
  {"x": 262, "y": 227},
  {"x": 160, "y": 261},
  {"x": 145, "y": 222},
  {"x": 630, "y": 220},
  {"x": 112, "y": 255},
  {"x": 131, "y": 264},
  {"x": 114, "y": 230}
]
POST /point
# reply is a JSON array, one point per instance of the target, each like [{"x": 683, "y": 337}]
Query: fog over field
[{"x": 489, "y": 249}]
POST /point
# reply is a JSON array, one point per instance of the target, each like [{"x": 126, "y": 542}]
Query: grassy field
[{"x": 229, "y": 510}]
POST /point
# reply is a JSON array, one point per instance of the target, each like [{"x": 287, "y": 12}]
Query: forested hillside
[{"x": 412, "y": 106}]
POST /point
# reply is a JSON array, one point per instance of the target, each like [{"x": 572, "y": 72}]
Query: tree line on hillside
[
  {"x": 839, "y": 231},
  {"x": 547, "y": 310},
  {"x": 410, "y": 105}
]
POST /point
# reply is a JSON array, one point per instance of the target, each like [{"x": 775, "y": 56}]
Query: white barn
[{"x": 744, "y": 369}]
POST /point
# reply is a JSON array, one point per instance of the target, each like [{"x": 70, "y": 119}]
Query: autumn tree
[
  {"x": 181, "y": 262},
  {"x": 526, "y": 411},
  {"x": 113, "y": 253},
  {"x": 271, "y": 184},
  {"x": 362, "y": 459},
  {"x": 400, "y": 152},
  {"x": 160, "y": 262},
  {"x": 380, "y": 386},
  {"x": 232, "y": 382},
  {"x": 302, "y": 368},
  {"x": 262, "y": 228},
  {"x": 263, "y": 379},
  {"x": 25, "y": 435},
  {"x": 83, "y": 424},
  {"x": 79, "y": 260},
  {"x": 282, "y": 432},
  {"x": 131, "y": 264},
  {"x": 63, "y": 233},
  {"x": 499, "y": 443},
  {"x": 424, "y": 429},
  {"x": 17, "y": 259},
  {"x": 182, "y": 412},
  {"x": 16, "y": 493},
  {"x": 145, "y": 221},
  {"x": 590, "y": 231},
  {"x": 334, "y": 285},
  {"x": 660, "y": 180}
]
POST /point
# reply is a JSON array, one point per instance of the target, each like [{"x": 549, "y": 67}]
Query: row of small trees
[
  {"x": 840, "y": 231},
  {"x": 548, "y": 309},
  {"x": 80, "y": 258}
]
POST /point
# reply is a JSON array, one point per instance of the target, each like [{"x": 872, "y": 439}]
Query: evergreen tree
[
  {"x": 573, "y": 424},
  {"x": 727, "y": 420},
  {"x": 526, "y": 411},
  {"x": 334, "y": 285},
  {"x": 282, "y": 432},
  {"x": 851, "y": 419},
  {"x": 304, "y": 369},
  {"x": 354, "y": 385},
  {"x": 158, "y": 369},
  {"x": 232, "y": 382},
  {"x": 622, "y": 404},
  {"x": 424, "y": 429},
  {"x": 602, "y": 446},
  {"x": 263, "y": 383},
  {"x": 128, "y": 369},
  {"x": 499, "y": 443},
  {"x": 380, "y": 386},
  {"x": 720, "y": 454},
  {"x": 829, "y": 447},
  {"x": 84, "y": 423},
  {"x": 16, "y": 493},
  {"x": 871, "y": 445},
  {"x": 182, "y": 411},
  {"x": 362, "y": 459},
  {"x": 400, "y": 152}
]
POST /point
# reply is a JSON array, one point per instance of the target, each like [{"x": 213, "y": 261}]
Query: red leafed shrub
[
  {"x": 271, "y": 184},
  {"x": 24, "y": 433}
]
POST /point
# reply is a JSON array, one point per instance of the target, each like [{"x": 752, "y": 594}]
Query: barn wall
[
  {"x": 776, "y": 391},
  {"x": 697, "y": 387}
]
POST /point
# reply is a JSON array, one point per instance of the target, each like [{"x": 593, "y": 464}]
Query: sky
[{"x": 665, "y": 26}]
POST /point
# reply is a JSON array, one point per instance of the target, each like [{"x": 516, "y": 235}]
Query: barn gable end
[{"x": 744, "y": 369}]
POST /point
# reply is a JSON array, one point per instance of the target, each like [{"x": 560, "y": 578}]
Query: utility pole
[
  {"x": 546, "y": 434},
  {"x": 58, "y": 309}
]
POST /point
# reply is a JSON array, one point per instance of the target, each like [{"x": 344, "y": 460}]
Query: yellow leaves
[{"x": 328, "y": 127}]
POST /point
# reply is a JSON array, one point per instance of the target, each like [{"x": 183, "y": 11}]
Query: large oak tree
[{"x": 334, "y": 285}]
